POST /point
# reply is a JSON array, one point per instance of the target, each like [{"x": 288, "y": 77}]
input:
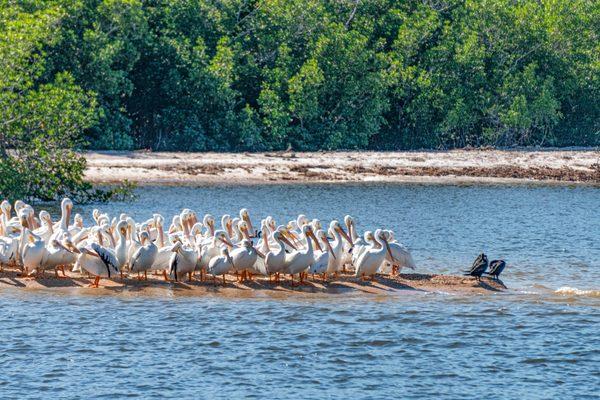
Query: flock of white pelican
[{"x": 119, "y": 247}]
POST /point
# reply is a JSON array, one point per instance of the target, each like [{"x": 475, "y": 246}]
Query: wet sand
[
  {"x": 457, "y": 166},
  {"x": 258, "y": 287}
]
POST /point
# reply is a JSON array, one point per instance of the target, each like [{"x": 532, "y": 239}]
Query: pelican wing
[
  {"x": 135, "y": 258},
  {"x": 108, "y": 258},
  {"x": 173, "y": 264}
]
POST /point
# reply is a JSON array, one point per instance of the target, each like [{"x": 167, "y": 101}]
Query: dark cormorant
[
  {"x": 479, "y": 266},
  {"x": 496, "y": 268}
]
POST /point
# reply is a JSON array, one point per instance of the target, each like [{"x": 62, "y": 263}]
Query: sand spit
[
  {"x": 258, "y": 287},
  {"x": 457, "y": 166}
]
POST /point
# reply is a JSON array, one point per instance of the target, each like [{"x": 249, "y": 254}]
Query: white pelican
[
  {"x": 275, "y": 261},
  {"x": 212, "y": 249},
  {"x": 209, "y": 222},
  {"x": 11, "y": 226},
  {"x": 33, "y": 252},
  {"x": 244, "y": 258},
  {"x": 46, "y": 230},
  {"x": 226, "y": 224},
  {"x": 59, "y": 254},
  {"x": 143, "y": 258},
  {"x": 220, "y": 265},
  {"x": 134, "y": 243},
  {"x": 175, "y": 225},
  {"x": 263, "y": 247},
  {"x": 361, "y": 246},
  {"x": 370, "y": 260},
  {"x": 66, "y": 206},
  {"x": 322, "y": 258},
  {"x": 164, "y": 249},
  {"x": 316, "y": 225},
  {"x": 183, "y": 261},
  {"x": 30, "y": 215},
  {"x": 335, "y": 263},
  {"x": 299, "y": 261},
  {"x": 9, "y": 248},
  {"x": 77, "y": 224},
  {"x": 238, "y": 236},
  {"x": 98, "y": 261},
  {"x": 356, "y": 241},
  {"x": 159, "y": 229},
  {"x": 245, "y": 216},
  {"x": 399, "y": 256},
  {"x": 121, "y": 247},
  {"x": 6, "y": 208}
]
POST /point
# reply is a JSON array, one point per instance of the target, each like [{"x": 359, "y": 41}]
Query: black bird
[
  {"x": 496, "y": 268},
  {"x": 479, "y": 266}
]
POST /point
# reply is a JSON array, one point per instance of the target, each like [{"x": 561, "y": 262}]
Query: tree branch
[{"x": 352, "y": 14}]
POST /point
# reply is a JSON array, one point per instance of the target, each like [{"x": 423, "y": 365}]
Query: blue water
[{"x": 532, "y": 342}]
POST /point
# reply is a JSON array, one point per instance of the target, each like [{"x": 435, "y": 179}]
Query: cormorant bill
[
  {"x": 496, "y": 268},
  {"x": 479, "y": 266}
]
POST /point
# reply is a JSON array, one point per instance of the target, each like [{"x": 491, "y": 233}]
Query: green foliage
[
  {"x": 238, "y": 75},
  {"x": 42, "y": 115}
]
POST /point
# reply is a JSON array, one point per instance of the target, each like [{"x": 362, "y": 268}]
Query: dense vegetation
[{"x": 267, "y": 74}]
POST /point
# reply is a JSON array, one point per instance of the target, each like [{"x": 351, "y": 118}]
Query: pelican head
[
  {"x": 66, "y": 203},
  {"x": 19, "y": 204},
  {"x": 381, "y": 235},
  {"x": 130, "y": 224},
  {"x": 389, "y": 235},
  {"x": 321, "y": 234},
  {"x": 335, "y": 226},
  {"x": 349, "y": 222},
  {"x": 6, "y": 208},
  {"x": 158, "y": 221},
  {"x": 280, "y": 234},
  {"x": 226, "y": 223},
  {"x": 122, "y": 227},
  {"x": 193, "y": 217},
  {"x": 250, "y": 246},
  {"x": 222, "y": 236},
  {"x": 175, "y": 224},
  {"x": 45, "y": 217},
  {"x": 316, "y": 224},
  {"x": 144, "y": 237},
  {"x": 245, "y": 216},
  {"x": 292, "y": 225},
  {"x": 196, "y": 229},
  {"x": 209, "y": 221},
  {"x": 243, "y": 227},
  {"x": 78, "y": 220},
  {"x": 301, "y": 220},
  {"x": 271, "y": 223},
  {"x": 308, "y": 231}
]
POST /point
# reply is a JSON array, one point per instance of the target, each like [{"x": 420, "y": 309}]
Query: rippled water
[{"x": 538, "y": 341}]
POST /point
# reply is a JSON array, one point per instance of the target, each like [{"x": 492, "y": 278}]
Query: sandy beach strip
[
  {"x": 456, "y": 166},
  {"x": 258, "y": 287}
]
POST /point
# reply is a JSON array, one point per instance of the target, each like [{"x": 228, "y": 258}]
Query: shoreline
[
  {"x": 385, "y": 285},
  {"x": 480, "y": 166}
]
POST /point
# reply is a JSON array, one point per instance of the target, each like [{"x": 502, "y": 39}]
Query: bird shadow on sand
[
  {"x": 343, "y": 283},
  {"x": 11, "y": 281},
  {"x": 14, "y": 278}
]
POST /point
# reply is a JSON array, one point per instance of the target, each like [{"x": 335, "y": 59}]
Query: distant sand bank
[
  {"x": 457, "y": 166},
  {"x": 344, "y": 284}
]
